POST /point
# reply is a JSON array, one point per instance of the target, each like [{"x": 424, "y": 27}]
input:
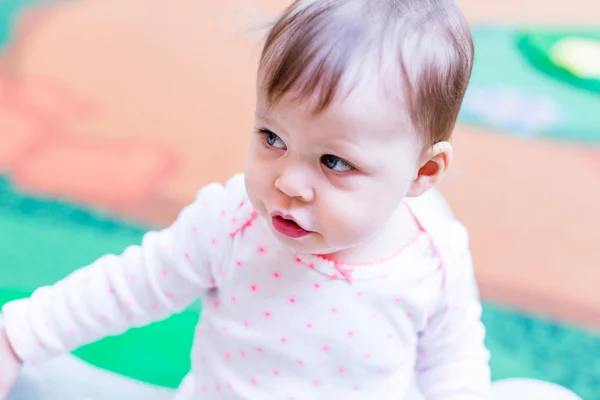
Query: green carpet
[{"x": 41, "y": 240}]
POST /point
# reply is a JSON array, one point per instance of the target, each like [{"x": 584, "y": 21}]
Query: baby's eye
[
  {"x": 336, "y": 164},
  {"x": 272, "y": 139}
]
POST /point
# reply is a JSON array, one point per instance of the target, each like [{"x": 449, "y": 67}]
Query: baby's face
[{"x": 339, "y": 174}]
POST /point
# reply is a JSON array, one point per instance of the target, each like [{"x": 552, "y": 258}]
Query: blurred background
[{"x": 114, "y": 112}]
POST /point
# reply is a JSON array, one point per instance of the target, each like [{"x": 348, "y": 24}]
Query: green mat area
[
  {"x": 9, "y": 10},
  {"x": 41, "y": 240},
  {"x": 517, "y": 89},
  {"x": 561, "y": 55}
]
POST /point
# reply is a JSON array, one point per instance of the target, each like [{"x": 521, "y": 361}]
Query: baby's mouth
[{"x": 288, "y": 227}]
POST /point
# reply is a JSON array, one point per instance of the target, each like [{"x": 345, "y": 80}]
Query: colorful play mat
[
  {"x": 41, "y": 240},
  {"x": 536, "y": 83},
  {"x": 533, "y": 83}
]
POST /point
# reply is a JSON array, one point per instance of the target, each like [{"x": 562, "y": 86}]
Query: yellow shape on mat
[{"x": 579, "y": 56}]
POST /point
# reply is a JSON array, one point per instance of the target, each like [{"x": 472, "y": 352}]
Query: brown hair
[{"x": 314, "y": 44}]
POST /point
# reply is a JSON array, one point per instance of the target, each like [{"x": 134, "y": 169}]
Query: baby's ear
[{"x": 433, "y": 166}]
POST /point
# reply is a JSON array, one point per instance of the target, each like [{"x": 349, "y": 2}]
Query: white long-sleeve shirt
[{"x": 277, "y": 324}]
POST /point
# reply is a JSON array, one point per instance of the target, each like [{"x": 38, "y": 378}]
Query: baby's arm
[
  {"x": 10, "y": 365},
  {"x": 146, "y": 283},
  {"x": 452, "y": 359}
]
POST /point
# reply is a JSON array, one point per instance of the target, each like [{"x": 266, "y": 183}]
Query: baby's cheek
[
  {"x": 256, "y": 185},
  {"x": 354, "y": 225}
]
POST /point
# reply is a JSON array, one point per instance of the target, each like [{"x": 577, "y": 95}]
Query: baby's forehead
[
  {"x": 370, "y": 91},
  {"x": 368, "y": 108}
]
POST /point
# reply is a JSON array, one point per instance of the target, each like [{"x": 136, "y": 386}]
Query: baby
[{"x": 330, "y": 268}]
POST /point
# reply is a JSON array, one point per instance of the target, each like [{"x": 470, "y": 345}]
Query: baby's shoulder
[
  {"x": 448, "y": 235},
  {"x": 225, "y": 194},
  {"x": 227, "y": 203}
]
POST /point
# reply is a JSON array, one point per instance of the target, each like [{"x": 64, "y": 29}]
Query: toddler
[{"x": 330, "y": 268}]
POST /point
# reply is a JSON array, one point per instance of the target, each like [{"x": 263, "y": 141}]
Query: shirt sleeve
[
  {"x": 147, "y": 282},
  {"x": 452, "y": 361}
]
